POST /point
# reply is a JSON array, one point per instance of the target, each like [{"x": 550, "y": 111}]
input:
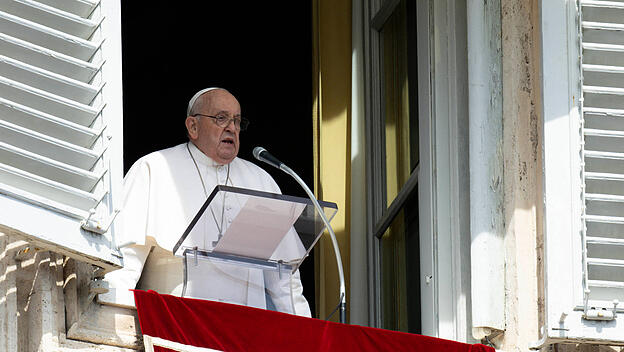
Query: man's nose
[{"x": 231, "y": 126}]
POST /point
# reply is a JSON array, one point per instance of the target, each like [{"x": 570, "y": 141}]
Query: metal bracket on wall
[
  {"x": 94, "y": 225},
  {"x": 600, "y": 313}
]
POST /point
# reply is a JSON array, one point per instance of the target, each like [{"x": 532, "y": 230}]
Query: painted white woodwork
[
  {"x": 487, "y": 223},
  {"x": 583, "y": 85},
  {"x": 60, "y": 124}
]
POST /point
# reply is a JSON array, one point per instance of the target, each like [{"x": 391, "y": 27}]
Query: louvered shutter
[
  {"x": 60, "y": 118},
  {"x": 583, "y": 87},
  {"x": 602, "y": 61}
]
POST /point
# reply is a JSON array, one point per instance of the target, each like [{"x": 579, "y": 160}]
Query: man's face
[{"x": 219, "y": 143}]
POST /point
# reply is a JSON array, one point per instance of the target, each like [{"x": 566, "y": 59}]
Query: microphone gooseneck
[{"x": 262, "y": 155}]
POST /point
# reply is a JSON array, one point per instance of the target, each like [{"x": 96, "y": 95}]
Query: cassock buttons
[{"x": 221, "y": 174}]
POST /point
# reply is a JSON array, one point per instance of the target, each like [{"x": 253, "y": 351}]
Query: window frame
[
  {"x": 379, "y": 216},
  {"x": 439, "y": 180}
]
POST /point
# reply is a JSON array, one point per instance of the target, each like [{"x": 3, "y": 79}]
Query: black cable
[{"x": 335, "y": 309}]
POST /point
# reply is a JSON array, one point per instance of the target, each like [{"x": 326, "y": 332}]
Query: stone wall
[
  {"x": 46, "y": 304},
  {"x": 522, "y": 153},
  {"x": 523, "y": 172}
]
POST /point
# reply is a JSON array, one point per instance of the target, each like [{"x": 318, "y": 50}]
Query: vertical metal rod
[{"x": 343, "y": 294}]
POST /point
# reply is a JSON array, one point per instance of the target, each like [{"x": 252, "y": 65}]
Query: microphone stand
[{"x": 343, "y": 296}]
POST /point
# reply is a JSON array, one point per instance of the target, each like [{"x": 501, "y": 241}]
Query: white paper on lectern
[{"x": 259, "y": 227}]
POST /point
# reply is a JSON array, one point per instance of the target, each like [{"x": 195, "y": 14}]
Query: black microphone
[{"x": 262, "y": 155}]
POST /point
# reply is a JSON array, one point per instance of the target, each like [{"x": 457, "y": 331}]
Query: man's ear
[{"x": 192, "y": 127}]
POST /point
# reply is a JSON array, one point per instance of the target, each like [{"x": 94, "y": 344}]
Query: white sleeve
[
  {"x": 132, "y": 224},
  {"x": 135, "y": 213},
  {"x": 121, "y": 281},
  {"x": 280, "y": 292}
]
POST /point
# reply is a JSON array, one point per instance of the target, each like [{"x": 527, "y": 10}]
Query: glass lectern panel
[{"x": 255, "y": 229}]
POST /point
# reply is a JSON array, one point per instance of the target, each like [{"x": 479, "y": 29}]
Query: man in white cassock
[{"x": 162, "y": 193}]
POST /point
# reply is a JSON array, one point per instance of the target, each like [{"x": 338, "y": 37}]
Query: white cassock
[{"x": 162, "y": 194}]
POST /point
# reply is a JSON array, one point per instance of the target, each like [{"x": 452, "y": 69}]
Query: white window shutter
[
  {"x": 583, "y": 87},
  {"x": 60, "y": 124},
  {"x": 602, "y": 60}
]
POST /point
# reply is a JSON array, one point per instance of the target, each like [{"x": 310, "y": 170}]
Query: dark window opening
[{"x": 253, "y": 49}]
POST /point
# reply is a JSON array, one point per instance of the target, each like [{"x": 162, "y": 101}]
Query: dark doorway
[{"x": 259, "y": 51}]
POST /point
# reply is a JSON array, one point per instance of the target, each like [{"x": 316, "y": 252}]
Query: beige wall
[{"x": 522, "y": 172}]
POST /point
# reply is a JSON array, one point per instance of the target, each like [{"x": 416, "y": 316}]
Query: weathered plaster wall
[
  {"x": 523, "y": 172},
  {"x": 46, "y": 305},
  {"x": 522, "y": 153}
]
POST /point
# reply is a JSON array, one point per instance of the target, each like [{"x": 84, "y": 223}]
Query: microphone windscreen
[{"x": 257, "y": 151}]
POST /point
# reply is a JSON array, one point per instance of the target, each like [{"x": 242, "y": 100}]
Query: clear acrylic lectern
[{"x": 248, "y": 228}]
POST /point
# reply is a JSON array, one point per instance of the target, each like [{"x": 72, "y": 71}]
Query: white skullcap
[{"x": 197, "y": 95}]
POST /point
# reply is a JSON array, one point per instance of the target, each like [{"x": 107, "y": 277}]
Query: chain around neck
[{"x": 227, "y": 178}]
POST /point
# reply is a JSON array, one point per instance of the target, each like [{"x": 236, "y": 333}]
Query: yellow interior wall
[{"x": 332, "y": 141}]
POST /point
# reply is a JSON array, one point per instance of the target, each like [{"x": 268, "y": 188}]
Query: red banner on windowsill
[{"x": 228, "y": 327}]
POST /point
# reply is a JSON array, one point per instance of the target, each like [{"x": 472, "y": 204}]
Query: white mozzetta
[{"x": 162, "y": 194}]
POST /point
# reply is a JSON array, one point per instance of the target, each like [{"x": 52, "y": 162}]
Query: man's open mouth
[{"x": 228, "y": 141}]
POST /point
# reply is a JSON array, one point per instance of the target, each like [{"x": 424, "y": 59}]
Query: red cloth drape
[{"x": 229, "y": 327}]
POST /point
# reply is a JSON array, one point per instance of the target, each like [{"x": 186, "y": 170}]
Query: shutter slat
[
  {"x": 605, "y": 240},
  {"x": 604, "y": 219},
  {"x": 601, "y": 3},
  {"x": 12, "y": 179},
  {"x": 603, "y": 26},
  {"x": 50, "y": 17},
  {"x": 48, "y": 81},
  {"x": 47, "y": 146},
  {"x": 603, "y": 155},
  {"x": 49, "y": 168},
  {"x": 606, "y": 284},
  {"x": 603, "y": 176},
  {"x": 604, "y": 197},
  {"x": 82, "y": 8},
  {"x": 47, "y": 59},
  {"x": 47, "y": 37},
  {"x": 603, "y": 68},
  {"x": 53, "y": 104},
  {"x": 615, "y": 263},
  {"x": 604, "y": 112},
  {"x": 603, "y": 90},
  {"x": 47, "y": 124},
  {"x": 603, "y": 47},
  {"x": 603, "y": 133}
]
